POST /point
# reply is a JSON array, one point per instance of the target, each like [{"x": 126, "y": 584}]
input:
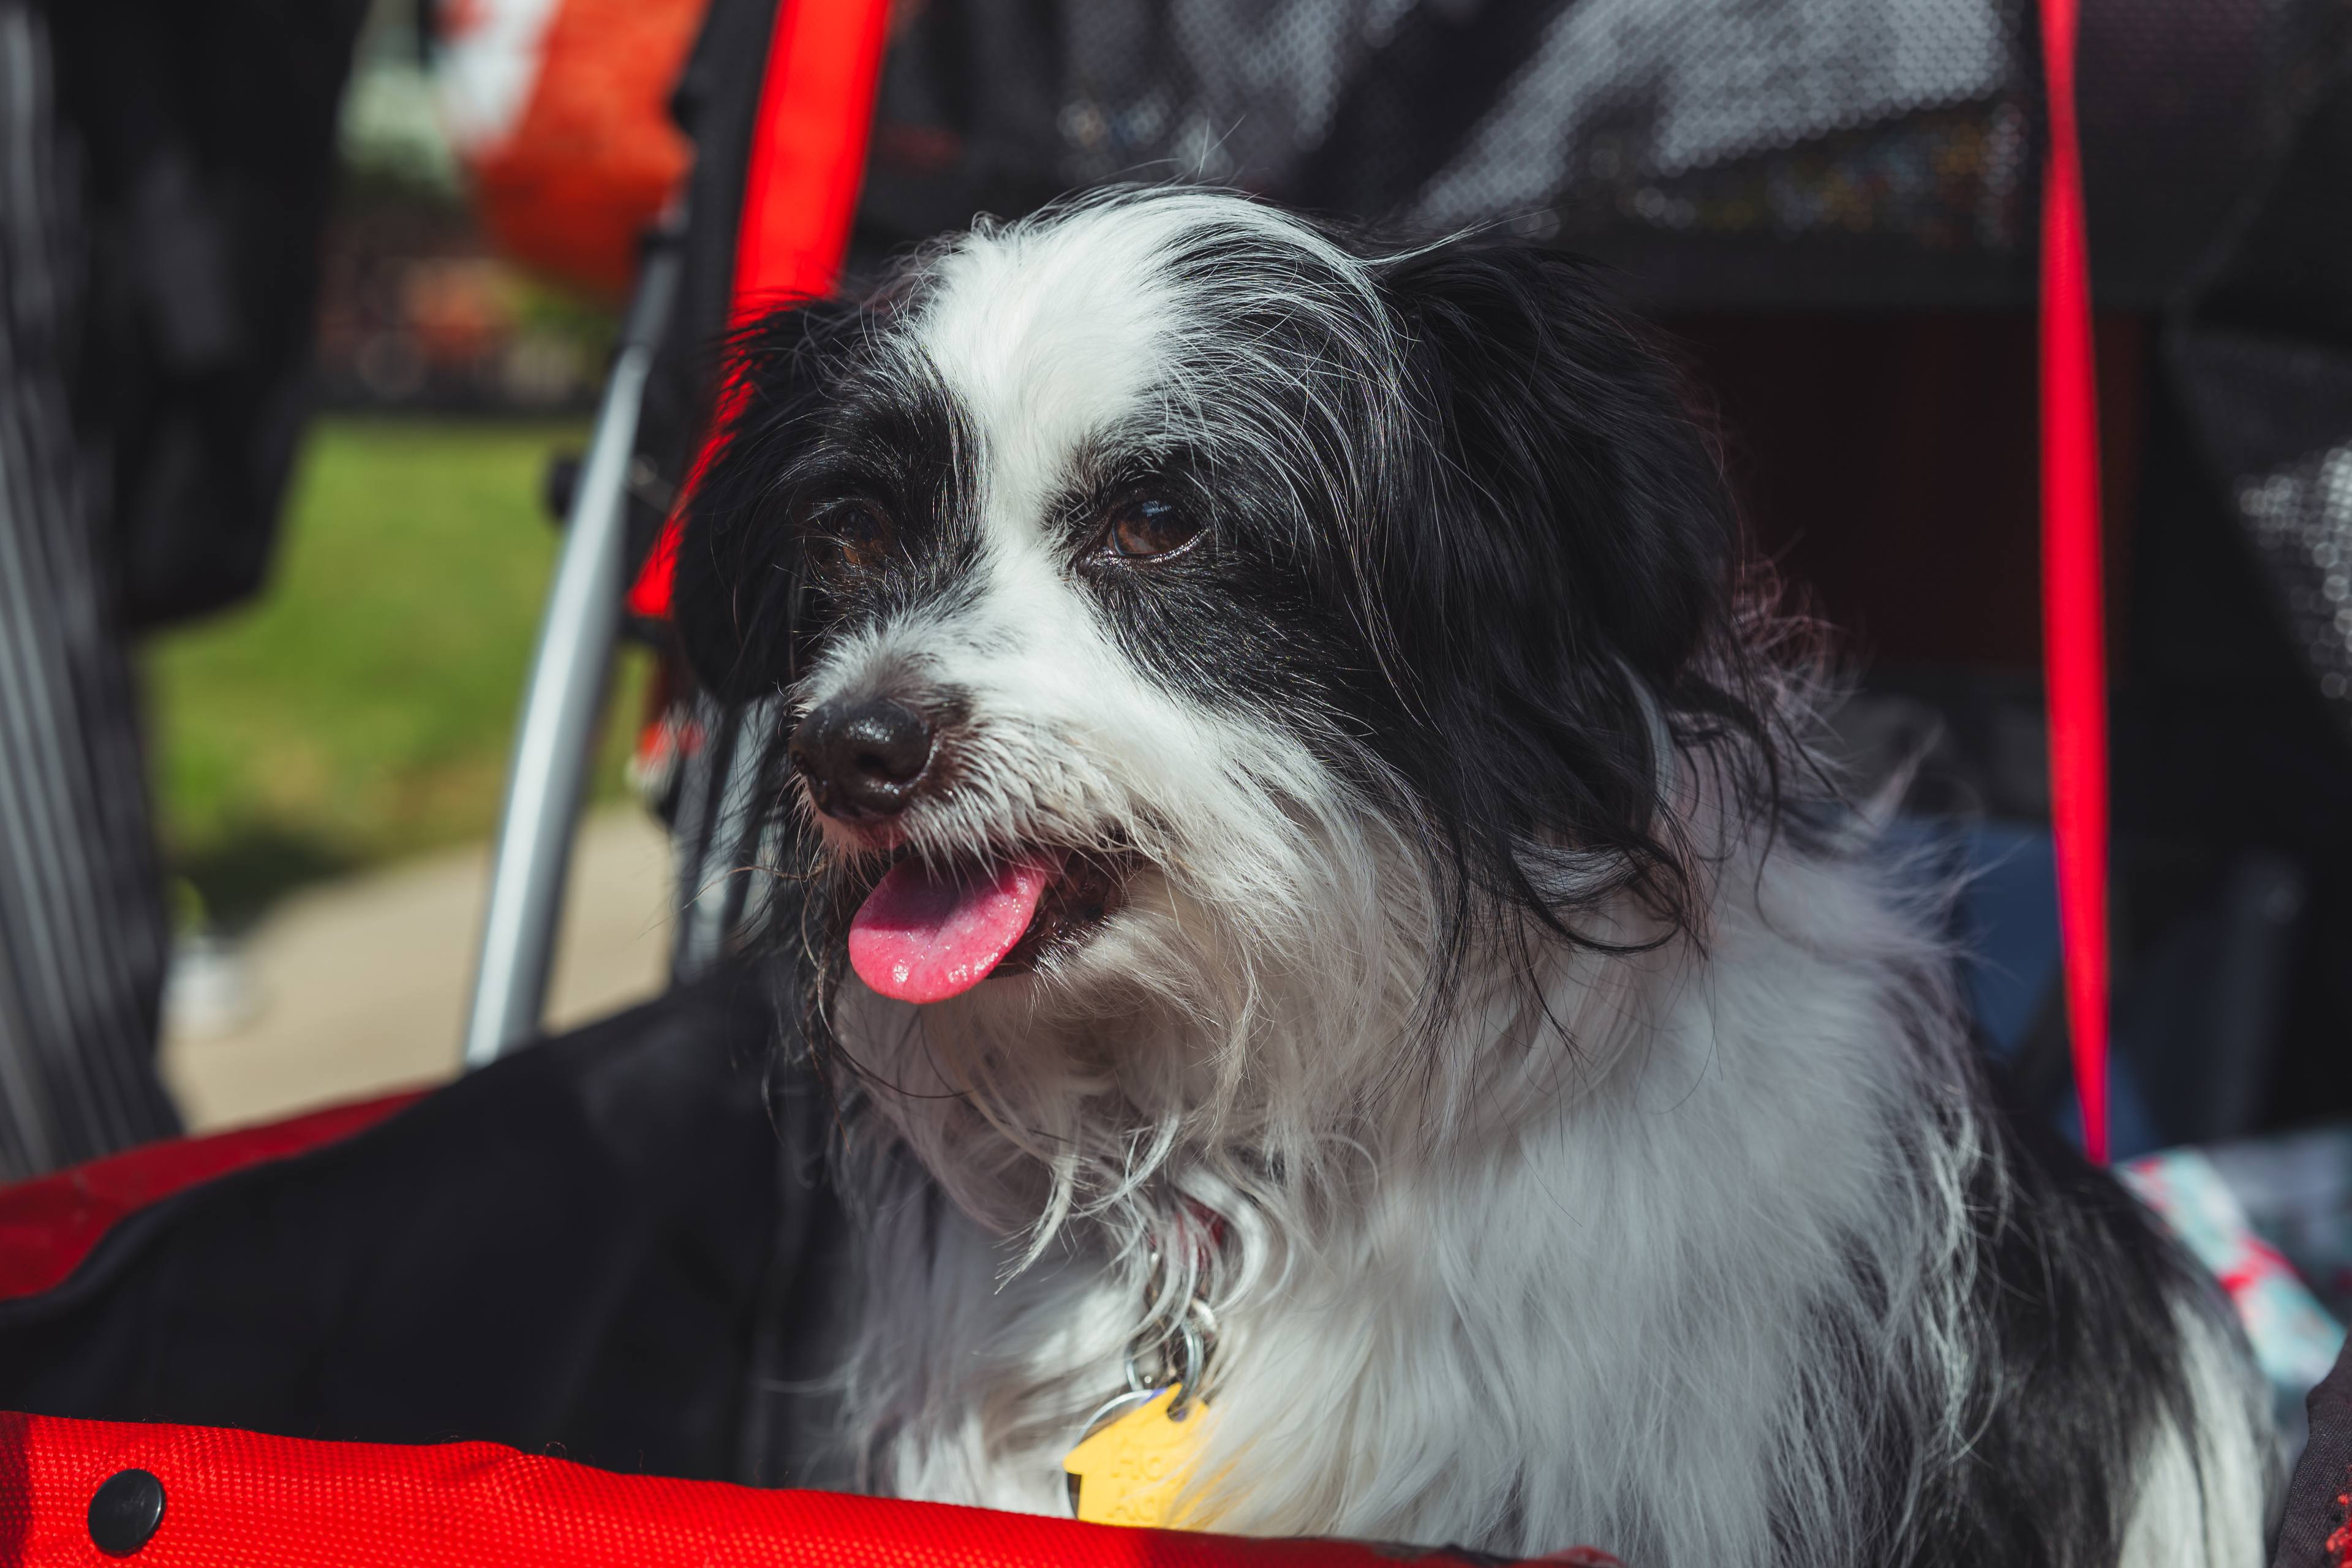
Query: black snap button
[{"x": 124, "y": 1512}]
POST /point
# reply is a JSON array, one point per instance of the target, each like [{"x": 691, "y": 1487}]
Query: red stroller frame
[{"x": 208, "y": 1499}]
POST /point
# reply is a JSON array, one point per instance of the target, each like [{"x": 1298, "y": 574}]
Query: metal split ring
[{"x": 1190, "y": 1361}]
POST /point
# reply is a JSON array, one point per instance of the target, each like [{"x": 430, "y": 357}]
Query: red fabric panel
[
  {"x": 808, "y": 162},
  {"x": 236, "y": 1499},
  {"x": 2074, "y": 627},
  {"x": 49, "y": 1224}
]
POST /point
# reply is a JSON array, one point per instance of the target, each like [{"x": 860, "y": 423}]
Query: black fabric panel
[
  {"x": 210, "y": 137},
  {"x": 2315, "y": 1501},
  {"x": 82, "y": 930},
  {"x": 2181, "y": 108},
  {"x": 565, "y": 1252},
  {"x": 2283, "y": 271},
  {"x": 2235, "y": 723},
  {"x": 965, "y": 123}
]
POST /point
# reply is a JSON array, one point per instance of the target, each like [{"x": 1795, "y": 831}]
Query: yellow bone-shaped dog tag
[{"x": 1129, "y": 1470}]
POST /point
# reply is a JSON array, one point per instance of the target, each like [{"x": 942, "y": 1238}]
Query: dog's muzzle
[{"x": 863, "y": 758}]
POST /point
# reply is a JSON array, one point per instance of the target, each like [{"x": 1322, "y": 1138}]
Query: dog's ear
[
  {"x": 1557, "y": 577},
  {"x": 737, "y": 593},
  {"x": 1582, "y": 486}
]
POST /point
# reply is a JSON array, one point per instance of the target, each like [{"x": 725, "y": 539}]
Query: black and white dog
[{"x": 1315, "y": 845}]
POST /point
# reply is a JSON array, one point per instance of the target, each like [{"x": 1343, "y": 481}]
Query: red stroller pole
[{"x": 2073, "y": 631}]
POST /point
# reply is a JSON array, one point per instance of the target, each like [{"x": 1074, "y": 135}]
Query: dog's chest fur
[{"x": 1672, "y": 1283}]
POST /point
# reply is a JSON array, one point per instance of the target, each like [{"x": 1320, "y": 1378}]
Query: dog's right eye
[
  {"x": 855, "y": 535},
  {"x": 1146, "y": 528}
]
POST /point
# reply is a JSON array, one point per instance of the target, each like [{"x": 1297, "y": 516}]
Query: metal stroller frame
[{"x": 568, "y": 669}]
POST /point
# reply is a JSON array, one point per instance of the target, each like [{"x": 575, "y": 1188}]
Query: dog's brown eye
[
  {"x": 1149, "y": 529},
  {"x": 858, "y": 532}
]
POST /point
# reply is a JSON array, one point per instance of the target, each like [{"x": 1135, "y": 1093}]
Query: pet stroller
[{"x": 591, "y": 1257}]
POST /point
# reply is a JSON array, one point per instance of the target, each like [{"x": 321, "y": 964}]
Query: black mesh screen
[
  {"x": 1698, "y": 141},
  {"x": 1727, "y": 153}
]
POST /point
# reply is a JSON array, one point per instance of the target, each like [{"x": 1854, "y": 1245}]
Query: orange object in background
[{"x": 559, "y": 110}]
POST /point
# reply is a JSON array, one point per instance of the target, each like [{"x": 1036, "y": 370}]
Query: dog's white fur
[{"x": 1498, "y": 1291}]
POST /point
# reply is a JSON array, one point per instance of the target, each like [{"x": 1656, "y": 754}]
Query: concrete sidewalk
[{"x": 359, "y": 987}]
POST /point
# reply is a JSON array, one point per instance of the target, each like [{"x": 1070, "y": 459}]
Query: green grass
[{"x": 361, "y": 709}]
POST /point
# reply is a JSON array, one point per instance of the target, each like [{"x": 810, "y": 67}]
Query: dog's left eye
[
  {"x": 1147, "y": 528},
  {"x": 853, "y": 534}
]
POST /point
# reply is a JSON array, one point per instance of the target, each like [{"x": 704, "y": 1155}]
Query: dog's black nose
[{"x": 862, "y": 758}]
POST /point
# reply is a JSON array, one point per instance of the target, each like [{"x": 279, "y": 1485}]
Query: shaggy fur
[{"x": 1562, "y": 1108}]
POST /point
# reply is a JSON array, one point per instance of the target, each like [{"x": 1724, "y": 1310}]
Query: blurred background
[{"x": 328, "y": 757}]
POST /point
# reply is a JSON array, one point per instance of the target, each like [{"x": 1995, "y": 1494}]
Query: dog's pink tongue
[{"x": 924, "y": 937}]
